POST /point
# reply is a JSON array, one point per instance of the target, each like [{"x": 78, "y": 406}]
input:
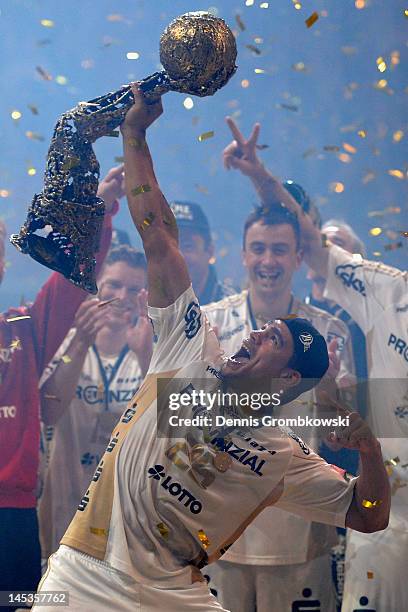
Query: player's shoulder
[
  {"x": 321, "y": 319},
  {"x": 378, "y": 267},
  {"x": 228, "y": 303}
]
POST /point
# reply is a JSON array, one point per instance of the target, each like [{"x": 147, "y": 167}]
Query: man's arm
[
  {"x": 167, "y": 274},
  {"x": 60, "y": 378},
  {"x": 370, "y": 507},
  {"x": 241, "y": 154}
]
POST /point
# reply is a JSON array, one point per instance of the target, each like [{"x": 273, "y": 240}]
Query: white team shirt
[
  {"x": 148, "y": 512},
  {"x": 289, "y": 541},
  {"x": 376, "y": 297},
  {"x": 76, "y": 444}
]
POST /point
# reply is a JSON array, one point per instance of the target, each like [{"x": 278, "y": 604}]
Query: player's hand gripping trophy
[{"x": 64, "y": 221}]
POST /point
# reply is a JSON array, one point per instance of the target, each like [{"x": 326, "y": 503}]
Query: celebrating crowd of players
[{"x": 78, "y": 372}]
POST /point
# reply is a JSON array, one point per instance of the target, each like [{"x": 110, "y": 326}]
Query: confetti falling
[
  {"x": 43, "y": 73},
  {"x": 397, "y": 174},
  {"x": 375, "y": 231},
  {"x": 18, "y": 318},
  {"x": 106, "y": 302},
  {"x": 366, "y": 503},
  {"x": 393, "y": 247},
  {"x": 33, "y": 109},
  {"x": 203, "y": 539},
  {"x": 34, "y": 136},
  {"x": 206, "y": 136},
  {"x": 66, "y": 359},
  {"x": 240, "y": 23},
  {"x": 312, "y": 19},
  {"x": 163, "y": 530},
  {"x": 132, "y": 55},
  {"x": 140, "y": 189},
  {"x": 370, "y": 575},
  {"x": 147, "y": 222},
  {"x": 254, "y": 49},
  {"x": 15, "y": 115},
  {"x": 47, "y": 23}
]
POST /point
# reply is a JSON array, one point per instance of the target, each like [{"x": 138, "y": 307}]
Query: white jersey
[
  {"x": 291, "y": 538},
  {"x": 158, "y": 507},
  {"x": 74, "y": 447},
  {"x": 376, "y": 296}
]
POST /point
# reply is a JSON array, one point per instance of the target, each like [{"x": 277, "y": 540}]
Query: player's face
[
  {"x": 271, "y": 258},
  {"x": 119, "y": 280},
  {"x": 340, "y": 236},
  {"x": 196, "y": 254},
  {"x": 264, "y": 354}
]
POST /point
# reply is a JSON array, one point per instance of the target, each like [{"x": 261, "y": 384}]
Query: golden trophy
[{"x": 64, "y": 221}]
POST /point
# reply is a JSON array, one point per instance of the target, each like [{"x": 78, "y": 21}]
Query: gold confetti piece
[
  {"x": 299, "y": 67},
  {"x": 344, "y": 157},
  {"x": 245, "y": 83},
  {"x": 115, "y": 17},
  {"x": 290, "y": 107},
  {"x": 43, "y": 73},
  {"x": 362, "y": 133},
  {"x": 253, "y": 49},
  {"x": 393, "y": 247},
  {"x": 147, "y": 221},
  {"x": 381, "y": 65},
  {"x": 312, "y": 19},
  {"x": 259, "y": 71},
  {"x": 18, "y": 318},
  {"x": 31, "y": 171},
  {"x": 132, "y": 55},
  {"x": 61, "y": 80},
  {"x": 325, "y": 242},
  {"x": 203, "y": 539},
  {"x": 360, "y": 4},
  {"x": 395, "y": 58},
  {"x": 240, "y": 23},
  {"x": 249, "y": 2},
  {"x": 397, "y": 174},
  {"x": 381, "y": 84},
  {"x": 66, "y": 359},
  {"x": 69, "y": 163},
  {"x": 349, "y": 148},
  {"x": 15, "y": 114},
  {"x": 398, "y": 135},
  {"x": 375, "y": 231},
  {"x": 4, "y": 193},
  {"x": 106, "y": 302},
  {"x": 163, "y": 530},
  {"x": 377, "y": 253},
  {"x": 140, "y": 189},
  {"x": 98, "y": 531},
  {"x": 370, "y": 575},
  {"x": 331, "y": 148},
  {"x": 188, "y": 103},
  {"x": 47, "y": 23},
  {"x": 34, "y": 136},
  {"x": 206, "y": 135},
  {"x": 114, "y": 134},
  {"x": 297, "y": 6},
  {"x": 119, "y": 159},
  {"x": 15, "y": 344},
  {"x": 393, "y": 461},
  {"x": 264, "y": 5},
  {"x": 337, "y": 187},
  {"x": 366, "y": 503},
  {"x": 406, "y": 12}
]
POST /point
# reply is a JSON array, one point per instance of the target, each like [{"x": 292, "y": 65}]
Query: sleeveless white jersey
[
  {"x": 75, "y": 445},
  {"x": 291, "y": 539},
  {"x": 376, "y": 296},
  {"x": 158, "y": 508}
]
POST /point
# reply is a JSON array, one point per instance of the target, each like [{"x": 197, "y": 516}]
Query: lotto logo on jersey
[
  {"x": 193, "y": 320},
  {"x": 348, "y": 277},
  {"x": 302, "y": 445},
  {"x": 175, "y": 489},
  {"x": 399, "y": 345}
]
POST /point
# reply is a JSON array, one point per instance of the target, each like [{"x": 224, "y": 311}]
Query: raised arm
[
  {"x": 242, "y": 155},
  {"x": 167, "y": 275}
]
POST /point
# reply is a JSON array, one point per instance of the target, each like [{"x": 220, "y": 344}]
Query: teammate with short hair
[
  {"x": 159, "y": 507},
  {"x": 375, "y": 296},
  {"x": 87, "y": 385}
]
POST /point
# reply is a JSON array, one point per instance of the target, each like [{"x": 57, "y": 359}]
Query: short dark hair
[
  {"x": 274, "y": 214},
  {"x": 127, "y": 254}
]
